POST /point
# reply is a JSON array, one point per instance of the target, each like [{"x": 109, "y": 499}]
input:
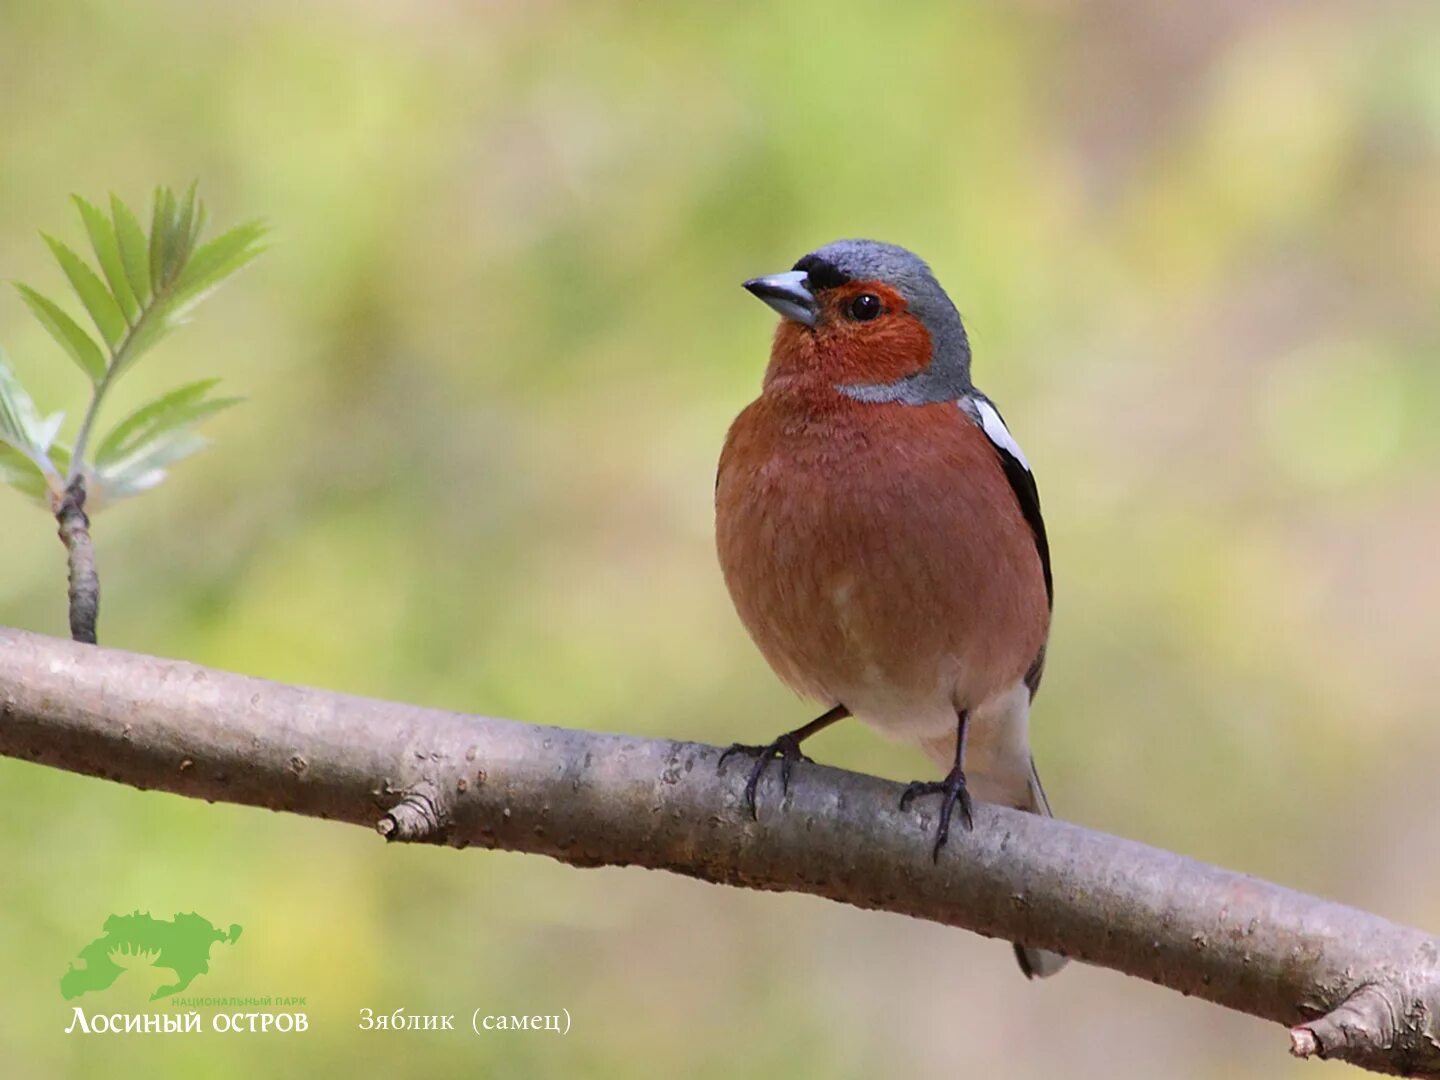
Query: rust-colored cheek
[
  {"x": 881, "y": 351},
  {"x": 841, "y": 350}
]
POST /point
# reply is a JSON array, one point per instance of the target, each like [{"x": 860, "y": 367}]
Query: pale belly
[
  {"x": 875, "y": 604},
  {"x": 884, "y": 658},
  {"x": 910, "y": 685}
]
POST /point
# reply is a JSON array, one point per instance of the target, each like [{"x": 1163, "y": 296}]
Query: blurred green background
[{"x": 490, "y": 362}]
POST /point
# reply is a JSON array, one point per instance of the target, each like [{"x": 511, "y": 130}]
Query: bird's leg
[
  {"x": 785, "y": 749},
  {"x": 952, "y": 788}
]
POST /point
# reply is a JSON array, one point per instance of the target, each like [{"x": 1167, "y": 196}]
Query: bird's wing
[{"x": 1017, "y": 470}]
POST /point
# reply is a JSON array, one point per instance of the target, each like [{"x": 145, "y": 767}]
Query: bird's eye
[{"x": 865, "y": 307}]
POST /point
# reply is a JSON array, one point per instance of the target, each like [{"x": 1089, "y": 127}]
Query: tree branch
[{"x": 1352, "y": 985}]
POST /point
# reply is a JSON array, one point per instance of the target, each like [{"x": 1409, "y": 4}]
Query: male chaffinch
[{"x": 880, "y": 532}]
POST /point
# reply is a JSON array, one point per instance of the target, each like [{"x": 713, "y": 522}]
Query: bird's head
[{"x": 870, "y": 320}]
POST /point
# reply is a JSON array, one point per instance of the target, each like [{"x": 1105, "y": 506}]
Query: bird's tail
[{"x": 1038, "y": 963}]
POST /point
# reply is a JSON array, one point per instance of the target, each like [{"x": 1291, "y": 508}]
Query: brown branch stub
[
  {"x": 84, "y": 579},
  {"x": 419, "y": 816},
  {"x": 1362, "y": 1026},
  {"x": 591, "y": 799},
  {"x": 1303, "y": 1043}
]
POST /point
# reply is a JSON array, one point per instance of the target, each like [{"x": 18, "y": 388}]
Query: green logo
[{"x": 130, "y": 942}]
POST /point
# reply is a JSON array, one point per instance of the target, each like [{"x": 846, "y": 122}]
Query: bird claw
[
  {"x": 955, "y": 794},
  {"x": 785, "y": 749}
]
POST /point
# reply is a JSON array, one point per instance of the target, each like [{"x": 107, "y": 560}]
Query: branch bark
[{"x": 1351, "y": 985}]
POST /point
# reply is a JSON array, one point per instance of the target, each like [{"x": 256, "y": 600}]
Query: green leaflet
[
  {"x": 134, "y": 249},
  {"x": 179, "y": 408},
  {"x": 163, "y": 222},
  {"x": 19, "y": 420},
  {"x": 107, "y": 252},
  {"x": 21, "y": 473},
  {"x": 184, "y": 235},
  {"x": 104, "y": 312},
  {"x": 148, "y": 466},
  {"x": 212, "y": 263},
  {"x": 78, "y": 344},
  {"x": 25, "y": 439}
]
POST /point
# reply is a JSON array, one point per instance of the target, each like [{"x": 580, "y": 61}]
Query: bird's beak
[{"x": 788, "y": 294}]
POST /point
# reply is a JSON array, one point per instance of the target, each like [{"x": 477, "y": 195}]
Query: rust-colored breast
[{"x": 877, "y": 554}]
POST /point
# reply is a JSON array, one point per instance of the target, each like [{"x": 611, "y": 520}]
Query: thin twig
[
  {"x": 1352, "y": 985},
  {"x": 84, "y": 580}
]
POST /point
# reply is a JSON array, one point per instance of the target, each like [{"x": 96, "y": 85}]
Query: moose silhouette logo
[{"x": 178, "y": 947}]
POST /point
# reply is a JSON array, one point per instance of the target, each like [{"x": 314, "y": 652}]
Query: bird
[{"x": 879, "y": 532}]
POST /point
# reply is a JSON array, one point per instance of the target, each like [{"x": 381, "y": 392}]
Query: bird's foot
[
  {"x": 785, "y": 749},
  {"x": 954, "y": 793}
]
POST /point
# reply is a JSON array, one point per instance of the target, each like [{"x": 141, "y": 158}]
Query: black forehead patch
[{"x": 821, "y": 273}]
